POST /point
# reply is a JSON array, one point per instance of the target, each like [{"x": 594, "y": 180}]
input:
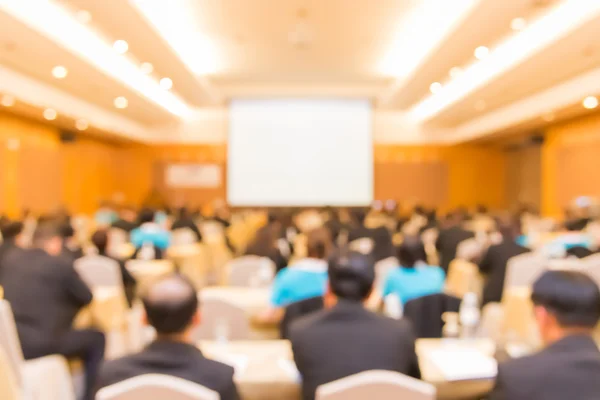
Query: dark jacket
[
  {"x": 493, "y": 266},
  {"x": 72, "y": 254},
  {"x": 298, "y": 310},
  {"x": 129, "y": 282},
  {"x": 567, "y": 369},
  {"x": 124, "y": 225},
  {"x": 425, "y": 313},
  {"x": 45, "y": 293},
  {"x": 348, "y": 339},
  {"x": 447, "y": 244},
  {"x": 187, "y": 223},
  {"x": 180, "y": 360},
  {"x": 6, "y": 247}
]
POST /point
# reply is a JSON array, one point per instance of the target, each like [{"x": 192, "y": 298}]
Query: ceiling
[{"x": 390, "y": 51}]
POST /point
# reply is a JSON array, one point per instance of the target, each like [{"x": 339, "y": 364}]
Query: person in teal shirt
[
  {"x": 414, "y": 278},
  {"x": 149, "y": 232}
]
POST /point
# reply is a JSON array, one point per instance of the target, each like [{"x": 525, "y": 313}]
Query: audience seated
[
  {"x": 127, "y": 220},
  {"x": 264, "y": 244},
  {"x": 46, "y": 294},
  {"x": 100, "y": 240},
  {"x": 11, "y": 232},
  {"x": 149, "y": 232},
  {"x": 346, "y": 338},
  {"x": 70, "y": 247},
  {"x": 414, "y": 278},
  {"x": 304, "y": 278},
  {"x": 450, "y": 237},
  {"x": 494, "y": 263},
  {"x": 567, "y": 309},
  {"x": 185, "y": 220},
  {"x": 171, "y": 306}
]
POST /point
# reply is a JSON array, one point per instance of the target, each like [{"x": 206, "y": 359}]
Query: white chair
[
  {"x": 182, "y": 237},
  {"x": 99, "y": 271},
  {"x": 222, "y": 320},
  {"x": 380, "y": 385},
  {"x": 469, "y": 250},
  {"x": 463, "y": 277},
  {"x": 524, "y": 269},
  {"x": 8, "y": 384},
  {"x": 250, "y": 271},
  {"x": 118, "y": 238},
  {"x": 44, "y": 378},
  {"x": 156, "y": 387}
]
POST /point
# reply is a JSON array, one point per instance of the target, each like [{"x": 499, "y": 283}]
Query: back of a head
[
  {"x": 146, "y": 215},
  {"x": 319, "y": 243},
  {"x": 183, "y": 213},
  {"x": 351, "y": 275},
  {"x": 45, "y": 231},
  {"x": 171, "y": 304},
  {"x": 11, "y": 229},
  {"x": 572, "y": 297},
  {"x": 411, "y": 251},
  {"x": 67, "y": 230},
  {"x": 508, "y": 227},
  {"x": 100, "y": 240}
]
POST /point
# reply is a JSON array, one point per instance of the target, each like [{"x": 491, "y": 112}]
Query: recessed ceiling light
[
  {"x": 435, "y": 87},
  {"x": 83, "y": 16},
  {"x": 81, "y": 124},
  {"x": 518, "y": 24},
  {"x": 147, "y": 68},
  {"x": 8, "y": 100},
  {"x": 481, "y": 52},
  {"x": 590, "y": 102},
  {"x": 50, "y": 114},
  {"x": 121, "y": 46},
  {"x": 480, "y": 105},
  {"x": 455, "y": 72},
  {"x": 121, "y": 102},
  {"x": 59, "y": 72},
  {"x": 166, "y": 83},
  {"x": 549, "y": 117}
]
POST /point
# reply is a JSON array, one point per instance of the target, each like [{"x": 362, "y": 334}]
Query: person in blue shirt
[
  {"x": 149, "y": 232},
  {"x": 414, "y": 278},
  {"x": 303, "y": 279}
]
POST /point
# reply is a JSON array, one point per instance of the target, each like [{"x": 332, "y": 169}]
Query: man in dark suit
[
  {"x": 45, "y": 294},
  {"x": 567, "y": 309},
  {"x": 449, "y": 239},
  {"x": 11, "y": 230},
  {"x": 493, "y": 265},
  {"x": 346, "y": 338},
  {"x": 171, "y": 306}
]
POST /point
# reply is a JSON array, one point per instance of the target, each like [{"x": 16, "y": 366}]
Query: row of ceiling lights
[{"x": 481, "y": 52}]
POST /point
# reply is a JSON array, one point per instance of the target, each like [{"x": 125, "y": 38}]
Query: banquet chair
[
  {"x": 463, "y": 277},
  {"x": 118, "y": 239},
  {"x": 148, "y": 271},
  {"x": 193, "y": 261},
  {"x": 381, "y": 385},
  {"x": 222, "y": 320},
  {"x": 524, "y": 269},
  {"x": 469, "y": 250},
  {"x": 44, "y": 378},
  {"x": 250, "y": 271},
  {"x": 8, "y": 384},
  {"x": 98, "y": 271},
  {"x": 156, "y": 386},
  {"x": 519, "y": 321},
  {"x": 182, "y": 237}
]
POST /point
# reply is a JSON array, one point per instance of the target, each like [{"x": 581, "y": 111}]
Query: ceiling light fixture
[
  {"x": 166, "y": 83},
  {"x": 60, "y": 25},
  {"x": 121, "y": 102},
  {"x": 147, "y": 68},
  {"x": 50, "y": 114},
  {"x": 481, "y": 52},
  {"x": 60, "y": 72},
  {"x": 518, "y": 24},
  {"x": 435, "y": 87},
  {"x": 120, "y": 46},
  {"x": 8, "y": 100},
  {"x": 590, "y": 102},
  {"x": 81, "y": 124},
  {"x": 557, "y": 23}
]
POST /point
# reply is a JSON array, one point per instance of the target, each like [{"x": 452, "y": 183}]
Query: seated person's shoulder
[{"x": 304, "y": 324}]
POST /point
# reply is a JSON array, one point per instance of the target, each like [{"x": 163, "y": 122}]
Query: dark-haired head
[
  {"x": 100, "y": 240},
  {"x": 358, "y": 215},
  {"x": 48, "y": 235},
  {"x": 183, "y": 213},
  {"x": 10, "y": 230},
  {"x": 171, "y": 305},
  {"x": 319, "y": 243},
  {"x": 351, "y": 275},
  {"x": 411, "y": 251},
  {"x": 565, "y": 301},
  {"x": 66, "y": 230},
  {"x": 146, "y": 215}
]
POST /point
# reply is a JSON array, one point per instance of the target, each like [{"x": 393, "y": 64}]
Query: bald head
[{"x": 171, "y": 305}]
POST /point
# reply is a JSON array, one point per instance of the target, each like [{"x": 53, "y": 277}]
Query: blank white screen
[{"x": 300, "y": 152}]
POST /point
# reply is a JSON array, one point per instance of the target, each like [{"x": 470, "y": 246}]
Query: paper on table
[
  {"x": 457, "y": 364},
  {"x": 290, "y": 369},
  {"x": 239, "y": 362}
]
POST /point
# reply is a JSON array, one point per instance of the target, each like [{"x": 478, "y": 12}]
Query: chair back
[
  {"x": 118, "y": 238},
  {"x": 384, "y": 385},
  {"x": 9, "y": 340},
  {"x": 194, "y": 262},
  {"x": 222, "y": 320},
  {"x": 99, "y": 271},
  {"x": 9, "y": 390},
  {"x": 524, "y": 269},
  {"x": 250, "y": 271},
  {"x": 463, "y": 277},
  {"x": 147, "y": 271},
  {"x": 212, "y": 231},
  {"x": 156, "y": 386},
  {"x": 182, "y": 237},
  {"x": 383, "y": 269},
  {"x": 469, "y": 249},
  {"x": 519, "y": 321}
]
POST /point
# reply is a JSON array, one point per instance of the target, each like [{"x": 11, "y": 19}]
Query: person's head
[
  {"x": 358, "y": 215},
  {"x": 411, "y": 251},
  {"x": 508, "y": 228},
  {"x": 171, "y": 306},
  {"x": 351, "y": 276},
  {"x": 146, "y": 215},
  {"x": 49, "y": 237},
  {"x": 565, "y": 302},
  {"x": 11, "y": 230},
  {"x": 100, "y": 240},
  {"x": 319, "y": 243},
  {"x": 481, "y": 209},
  {"x": 66, "y": 231},
  {"x": 183, "y": 213}
]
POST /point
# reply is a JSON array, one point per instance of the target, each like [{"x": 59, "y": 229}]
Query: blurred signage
[{"x": 193, "y": 176}]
